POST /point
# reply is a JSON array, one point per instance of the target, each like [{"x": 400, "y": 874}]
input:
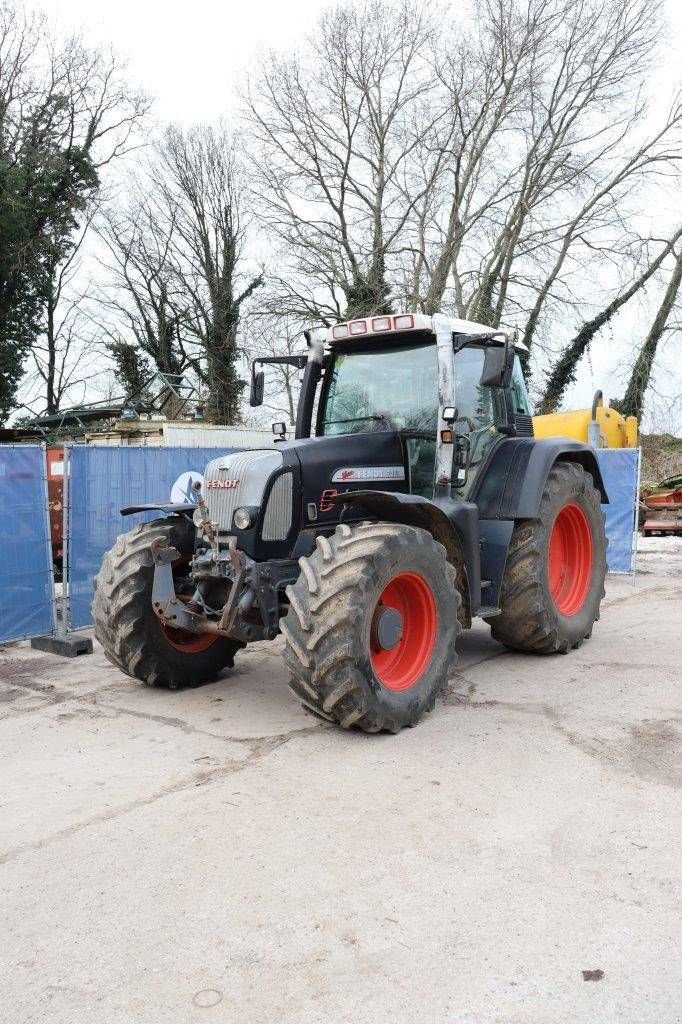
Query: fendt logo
[{"x": 223, "y": 485}]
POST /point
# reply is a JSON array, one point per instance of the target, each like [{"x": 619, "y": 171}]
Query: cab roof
[{"x": 389, "y": 326}]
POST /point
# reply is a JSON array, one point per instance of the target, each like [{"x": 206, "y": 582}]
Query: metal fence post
[
  {"x": 635, "y": 528},
  {"x": 48, "y": 536},
  {"x": 66, "y": 488}
]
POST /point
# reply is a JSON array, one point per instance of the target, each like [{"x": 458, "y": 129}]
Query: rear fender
[
  {"x": 511, "y": 484},
  {"x": 454, "y": 524}
]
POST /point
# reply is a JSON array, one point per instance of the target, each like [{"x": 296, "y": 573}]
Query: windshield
[{"x": 383, "y": 389}]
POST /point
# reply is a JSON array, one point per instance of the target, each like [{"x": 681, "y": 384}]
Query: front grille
[
  {"x": 278, "y": 512},
  {"x": 248, "y": 473}
]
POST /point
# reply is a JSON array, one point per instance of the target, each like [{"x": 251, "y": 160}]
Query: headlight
[{"x": 242, "y": 518}]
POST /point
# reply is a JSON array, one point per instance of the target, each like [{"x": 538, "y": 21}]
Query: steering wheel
[{"x": 470, "y": 423}]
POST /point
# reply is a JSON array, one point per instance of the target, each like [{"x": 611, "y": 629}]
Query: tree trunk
[
  {"x": 224, "y": 384},
  {"x": 52, "y": 399},
  {"x": 633, "y": 402},
  {"x": 564, "y": 370}
]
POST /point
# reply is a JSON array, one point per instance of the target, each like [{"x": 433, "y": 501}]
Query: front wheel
[
  {"x": 132, "y": 636},
  {"x": 371, "y": 628},
  {"x": 553, "y": 582}
]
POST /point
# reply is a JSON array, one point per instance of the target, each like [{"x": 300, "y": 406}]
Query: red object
[
  {"x": 658, "y": 498},
  {"x": 570, "y": 560},
  {"x": 403, "y": 665},
  {"x": 662, "y": 526},
  {"x": 188, "y": 643},
  {"x": 55, "y": 496}
]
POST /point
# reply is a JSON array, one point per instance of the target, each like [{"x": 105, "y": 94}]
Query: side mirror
[
  {"x": 257, "y": 388},
  {"x": 497, "y": 366},
  {"x": 280, "y": 429}
]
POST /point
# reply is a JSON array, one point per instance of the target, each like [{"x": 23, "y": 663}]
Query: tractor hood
[
  {"x": 346, "y": 462},
  {"x": 287, "y": 489}
]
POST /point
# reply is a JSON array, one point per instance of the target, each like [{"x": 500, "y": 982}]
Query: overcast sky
[{"x": 189, "y": 56}]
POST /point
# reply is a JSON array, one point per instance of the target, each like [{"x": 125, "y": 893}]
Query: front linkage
[{"x": 252, "y": 587}]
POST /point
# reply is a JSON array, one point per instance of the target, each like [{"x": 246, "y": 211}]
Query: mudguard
[
  {"x": 511, "y": 483},
  {"x": 187, "y": 508},
  {"x": 454, "y": 524}
]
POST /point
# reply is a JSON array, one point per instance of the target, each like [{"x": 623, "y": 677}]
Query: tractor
[{"x": 412, "y": 498}]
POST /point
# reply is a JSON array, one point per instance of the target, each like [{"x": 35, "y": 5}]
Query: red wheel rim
[
  {"x": 570, "y": 560},
  {"x": 411, "y": 596}
]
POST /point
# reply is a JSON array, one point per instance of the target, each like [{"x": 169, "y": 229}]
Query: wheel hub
[{"x": 387, "y": 628}]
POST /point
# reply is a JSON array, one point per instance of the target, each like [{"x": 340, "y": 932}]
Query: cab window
[{"x": 382, "y": 389}]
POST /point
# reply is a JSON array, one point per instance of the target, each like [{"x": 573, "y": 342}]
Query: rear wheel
[
  {"x": 125, "y": 624},
  {"x": 372, "y": 625},
  {"x": 554, "y": 579}
]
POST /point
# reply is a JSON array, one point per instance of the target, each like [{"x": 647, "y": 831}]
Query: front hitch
[
  {"x": 238, "y": 563},
  {"x": 171, "y": 610},
  {"x": 166, "y": 604}
]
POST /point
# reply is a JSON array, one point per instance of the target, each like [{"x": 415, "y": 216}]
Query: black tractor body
[{"x": 415, "y": 429}]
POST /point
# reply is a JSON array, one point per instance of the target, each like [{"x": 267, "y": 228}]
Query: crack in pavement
[
  {"x": 644, "y": 592},
  {"x": 53, "y": 697},
  {"x": 481, "y": 661},
  {"x": 92, "y": 700},
  {"x": 651, "y": 753},
  {"x": 452, "y": 698},
  {"x": 192, "y": 730},
  {"x": 262, "y": 748}
]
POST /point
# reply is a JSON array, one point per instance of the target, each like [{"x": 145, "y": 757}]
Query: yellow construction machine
[{"x": 599, "y": 426}]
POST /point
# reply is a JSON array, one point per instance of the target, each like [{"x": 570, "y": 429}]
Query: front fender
[
  {"x": 454, "y": 524},
  {"x": 186, "y": 508}
]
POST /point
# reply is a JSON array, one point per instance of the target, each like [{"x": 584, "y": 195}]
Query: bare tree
[
  {"x": 178, "y": 274},
  {"x": 496, "y": 167},
  {"x": 201, "y": 183},
  {"x": 334, "y": 131},
  {"x": 143, "y": 301},
  {"x": 60, "y": 353},
  {"x": 547, "y": 161}
]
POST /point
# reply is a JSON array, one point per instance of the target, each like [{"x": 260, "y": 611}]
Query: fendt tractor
[{"x": 413, "y": 498}]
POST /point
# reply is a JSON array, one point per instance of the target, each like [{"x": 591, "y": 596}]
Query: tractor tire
[
  {"x": 125, "y": 624},
  {"x": 372, "y": 625},
  {"x": 553, "y": 582}
]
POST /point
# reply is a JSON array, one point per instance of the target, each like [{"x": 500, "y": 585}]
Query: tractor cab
[{"x": 449, "y": 388}]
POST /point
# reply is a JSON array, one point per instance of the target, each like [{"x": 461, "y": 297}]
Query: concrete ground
[{"x": 217, "y": 855}]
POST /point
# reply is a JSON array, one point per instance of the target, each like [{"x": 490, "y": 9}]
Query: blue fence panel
[
  {"x": 620, "y": 471},
  {"x": 26, "y": 580},
  {"x": 103, "y": 480}
]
